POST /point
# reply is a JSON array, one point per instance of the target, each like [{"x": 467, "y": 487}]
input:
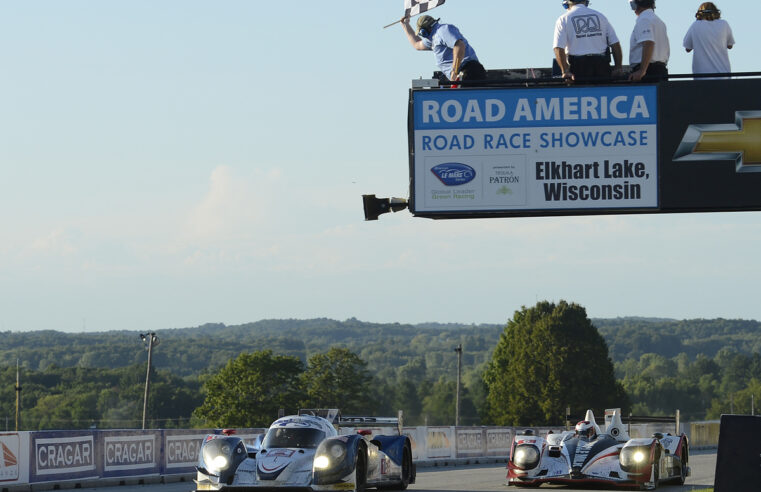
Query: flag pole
[{"x": 394, "y": 23}]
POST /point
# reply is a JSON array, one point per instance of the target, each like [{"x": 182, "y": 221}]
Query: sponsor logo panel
[
  {"x": 9, "y": 463},
  {"x": 470, "y": 442},
  {"x": 129, "y": 453},
  {"x": 181, "y": 451},
  {"x": 64, "y": 455},
  {"x": 539, "y": 150},
  {"x": 439, "y": 442},
  {"x": 498, "y": 442}
]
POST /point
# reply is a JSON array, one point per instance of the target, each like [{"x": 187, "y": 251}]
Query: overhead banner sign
[
  {"x": 628, "y": 148},
  {"x": 535, "y": 150}
]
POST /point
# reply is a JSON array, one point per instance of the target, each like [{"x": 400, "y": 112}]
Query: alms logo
[{"x": 454, "y": 173}]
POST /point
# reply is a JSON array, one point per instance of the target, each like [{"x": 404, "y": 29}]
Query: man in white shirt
[
  {"x": 649, "y": 46},
  {"x": 582, "y": 39},
  {"x": 711, "y": 38}
]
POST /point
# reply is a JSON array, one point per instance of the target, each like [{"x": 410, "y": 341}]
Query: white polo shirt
[
  {"x": 583, "y": 31},
  {"x": 649, "y": 27},
  {"x": 710, "y": 40}
]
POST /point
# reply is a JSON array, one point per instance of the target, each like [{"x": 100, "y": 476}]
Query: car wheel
[
  {"x": 360, "y": 470},
  {"x": 406, "y": 469},
  {"x": 683, "y": 469}
]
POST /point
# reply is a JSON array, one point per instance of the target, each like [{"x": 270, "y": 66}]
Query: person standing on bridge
[
  {"x": 649, "y": 49},
  {"x": 583, "y": 40},
  {"x": 455, "y": 57},
  {"x": 711, "y": 38}
]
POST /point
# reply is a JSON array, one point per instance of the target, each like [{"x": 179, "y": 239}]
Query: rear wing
[
  {"x": 633, "y": 419},
  {"x": 335, "y": 417},
  {"x": 354, "y": 421},
  {"x": 332, "y": 415}
]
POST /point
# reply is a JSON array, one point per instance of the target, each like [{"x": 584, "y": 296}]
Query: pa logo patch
[{"x": 587, "y": 24}]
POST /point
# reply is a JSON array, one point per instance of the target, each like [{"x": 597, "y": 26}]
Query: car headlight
[
  {"x": 219, "y": 454},
  {"x": 329, "y": 454},
  {"x": 321, "y": 462},
  {"x": 220, "y": 463},
  {"x": 526, "y": 456},
  {"x": 634, "y": 458}
]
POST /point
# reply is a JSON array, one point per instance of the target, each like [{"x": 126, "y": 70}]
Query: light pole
[
  {"x": 18, "y": 394},
  {"x": 458, "y": 349},
  {"x": 150, "y": 339}
]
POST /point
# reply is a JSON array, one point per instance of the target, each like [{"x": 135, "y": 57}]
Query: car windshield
[{"x": 289, "y": 437}]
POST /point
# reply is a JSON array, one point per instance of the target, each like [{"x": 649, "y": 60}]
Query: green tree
[
  {"x": 338, "y": 379},
  {"x": 550, "y": 356},
  {"x": 439, "y": 404},
  {"x": 250, "y": 389}
]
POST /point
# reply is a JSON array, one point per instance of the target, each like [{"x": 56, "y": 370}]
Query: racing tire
[
  {"x": 360, "y": 471},
  {"x": 682, "y": 469},
  {"x": 406, "y": 469}
]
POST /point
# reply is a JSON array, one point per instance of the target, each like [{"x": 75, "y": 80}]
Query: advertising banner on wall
[
  {"x": 417, "y": 437},
  {"x": 62, "y": 456},
  {"x": 439, "y": 442},
  {"x": 470, "y": 442},
  {"x": 499, "y": 441},
  {"x": 534, "y": 151},
  {"x": 181, "y": 450},
  {"x": 10, "y": 467},
  {"x": 129, "y": 453}
]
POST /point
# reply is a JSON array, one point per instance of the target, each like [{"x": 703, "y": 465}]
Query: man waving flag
[
  {"x": 455, "y": 57},
  {"x": 416, "y": 7}
]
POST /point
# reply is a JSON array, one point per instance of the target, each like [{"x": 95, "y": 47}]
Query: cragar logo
[
  {"x": 739, "y": 142},
  {"x": 454, "y": 173}
]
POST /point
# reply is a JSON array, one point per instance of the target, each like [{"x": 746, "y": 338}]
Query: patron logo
[{"x": 739, "y": 142}]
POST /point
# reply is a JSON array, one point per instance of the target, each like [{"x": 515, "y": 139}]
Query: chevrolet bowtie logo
[{"x": 740, "y": 142}]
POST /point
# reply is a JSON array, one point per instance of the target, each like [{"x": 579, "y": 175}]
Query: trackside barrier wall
[
  {"x": 55, "y": 457},
  {"x": 48, "y": 458},
  {"x": 704, "y": 434}
]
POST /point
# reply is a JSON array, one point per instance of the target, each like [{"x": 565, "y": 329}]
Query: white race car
[
  {"x": 589, "y": 457},
  {"x": 306, "y": 452}
]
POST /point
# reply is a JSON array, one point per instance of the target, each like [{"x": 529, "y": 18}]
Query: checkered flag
[{"x": 417, "y": 7}]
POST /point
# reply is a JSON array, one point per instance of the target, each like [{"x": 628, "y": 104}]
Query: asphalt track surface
[{"x": 476, "y": 478}]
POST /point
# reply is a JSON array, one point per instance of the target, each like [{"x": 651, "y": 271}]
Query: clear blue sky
[{"x": 171, "y": 163}]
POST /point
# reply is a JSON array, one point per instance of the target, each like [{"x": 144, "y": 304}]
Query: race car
[
  {"x": 587, "y": 456},
  {"x": 309, "y": 452}
]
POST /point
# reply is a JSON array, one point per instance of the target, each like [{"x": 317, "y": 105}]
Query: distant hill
[
  {"x": 629, "y": 338},
  {"x": 384, "y": 346}
]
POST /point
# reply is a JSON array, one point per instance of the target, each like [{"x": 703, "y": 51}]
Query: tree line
[{"x": 547, "y": 357}]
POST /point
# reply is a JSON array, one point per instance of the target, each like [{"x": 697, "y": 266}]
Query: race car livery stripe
[{"x": 614, "y": 453}]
